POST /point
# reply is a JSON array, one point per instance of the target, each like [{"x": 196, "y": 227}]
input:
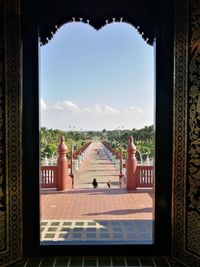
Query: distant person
[
  {"x": 94, "y": 183},
  {"x": 109, "y": 184}
]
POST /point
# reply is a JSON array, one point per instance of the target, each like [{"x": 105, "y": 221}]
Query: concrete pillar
[
  {"x": 71, "y": 169},
  {"x": 131, "y": 165},
  {"x": 120, "y": 166},
  {"x": 62, "y": 165}
]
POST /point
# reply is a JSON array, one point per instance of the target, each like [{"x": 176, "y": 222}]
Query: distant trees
[
  {"x": 50, "y": 139},
  {"x": 143, "y": 139},
  {"x": 50, "y": 149}
]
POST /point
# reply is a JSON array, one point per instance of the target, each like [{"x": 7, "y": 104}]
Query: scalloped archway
[{"x": 53, "y": 15}]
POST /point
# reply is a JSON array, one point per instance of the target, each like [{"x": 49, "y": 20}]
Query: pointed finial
[
  {"x": 130, "y": 138},
  {"x": 131, "y": 165},
  {"x": 62, "y": 148},
  {"x": 131, "y": 149},
  {"x": 62, "y": 139}
]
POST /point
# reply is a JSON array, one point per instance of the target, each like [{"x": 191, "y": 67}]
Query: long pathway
[
  {"x": 99, "y": 215},
  {"x": 96, "y": 165}
]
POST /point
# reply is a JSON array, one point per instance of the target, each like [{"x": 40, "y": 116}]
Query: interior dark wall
[
  {"x": 38, "y": 20},
  {"x": 30, "y": 120},
  {"x": 164, "y": 119}
]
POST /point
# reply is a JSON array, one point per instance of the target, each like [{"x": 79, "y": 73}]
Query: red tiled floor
[
  {"x": 103, "y": 203},
  {"x": 93, "y": 204}
]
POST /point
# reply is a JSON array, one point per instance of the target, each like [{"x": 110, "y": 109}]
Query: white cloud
[
  {"x": 133, "y": 110},
  {"x": 95, "y": 117},
  {"x": 96, "y": 110},
  {"x": 43, "y": 105},
  {"x": 110, "y": 110},
  {"x": 67, "y": 106}
]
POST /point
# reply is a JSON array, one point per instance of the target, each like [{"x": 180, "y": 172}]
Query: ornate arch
[{"x": 52, "y": 16}]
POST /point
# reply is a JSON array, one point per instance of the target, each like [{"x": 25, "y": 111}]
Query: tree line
[{"x": 143, "y": 139}]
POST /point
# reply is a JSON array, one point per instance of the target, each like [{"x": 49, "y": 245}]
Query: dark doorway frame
[{"x": 163, "y": 33}]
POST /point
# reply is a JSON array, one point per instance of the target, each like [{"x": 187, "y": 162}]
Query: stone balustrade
[
  {"x": 131, "y": 175},
  {"x": 61, "y": 176}
]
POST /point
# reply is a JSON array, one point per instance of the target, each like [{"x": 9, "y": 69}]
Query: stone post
[
  {"x": 71, "y": 169},
  {"x": 62, "y": 165},
  {"x": 131, "y": 165},
  {"x": 120, "y": 166}
]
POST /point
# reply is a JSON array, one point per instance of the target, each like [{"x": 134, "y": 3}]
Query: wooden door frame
[{"x": 164, "y": 129}]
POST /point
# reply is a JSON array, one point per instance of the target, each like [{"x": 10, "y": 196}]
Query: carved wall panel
[
  {"x": 193, "y": 183},
  {"x": 186, "y": 147},
  {"x": 2, "y": 138},
  {"x": 10, "y": 133},
  {"x": 186, "y": 174}
]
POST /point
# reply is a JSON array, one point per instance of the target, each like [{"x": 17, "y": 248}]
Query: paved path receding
[
  {"x": 87, "y": 214},
  {"x": 96, "y": 165}
]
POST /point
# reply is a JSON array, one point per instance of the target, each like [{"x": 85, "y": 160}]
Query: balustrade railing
[
  {"x": 49, "y": 174},
  {"x": 144, "y": 176},
  {"x": 48, "y": 177},
  {"x": 81, "y": 150},
  {"x": 79, "y": 156}
]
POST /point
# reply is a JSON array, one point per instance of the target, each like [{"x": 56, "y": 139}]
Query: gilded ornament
[
  {"x": 1, "y": 191},
  {"x": 193, "y": 188}
]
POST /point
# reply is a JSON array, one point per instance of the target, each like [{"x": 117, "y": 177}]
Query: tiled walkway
[
  {"x": 121, "y": 232},
  {"x": 96, "y": 165},
  {"x": 97, "y": 204},
  {"x": 97, "y": 215},
  {"x": 98, "y": 262}
]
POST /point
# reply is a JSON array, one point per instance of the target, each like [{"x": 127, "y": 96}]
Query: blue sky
[{"x": 92, "y": 80}]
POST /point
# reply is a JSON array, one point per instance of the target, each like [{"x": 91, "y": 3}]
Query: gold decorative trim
[
  {"x": 179, "y": 126},
  {"x": 193, "y": 183},
  {"x": 184, "y": 243},
  {"x": 2, "y": 136},
  {"x": 12, "y": 138}
]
